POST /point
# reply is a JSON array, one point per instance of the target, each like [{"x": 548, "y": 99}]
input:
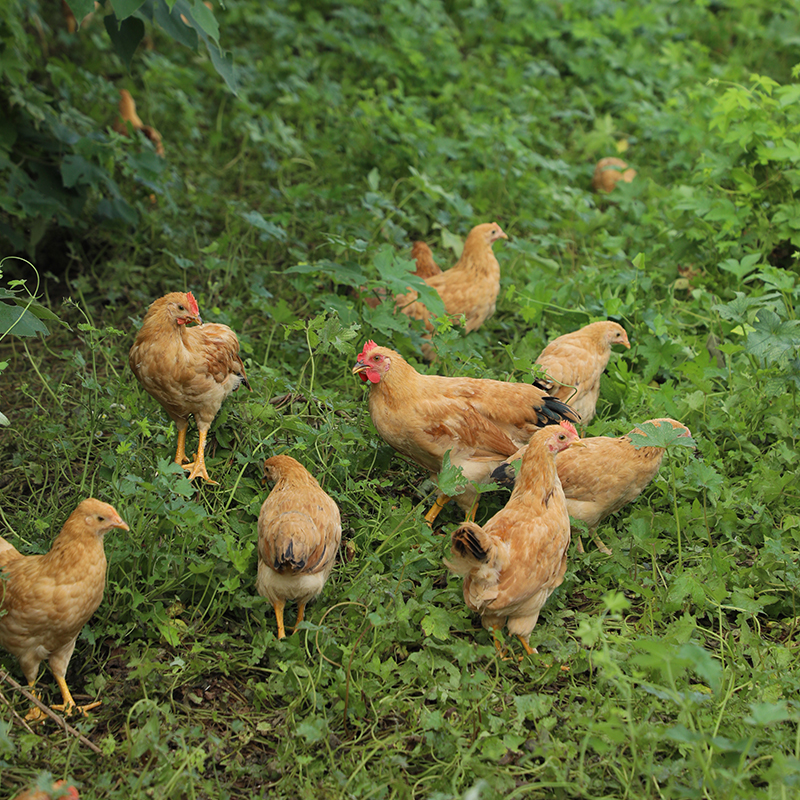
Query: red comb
[
  {"x": 568, "y": 426},
  {"x": 370, "y": 345},
  {"x": 193, "y": 307}
]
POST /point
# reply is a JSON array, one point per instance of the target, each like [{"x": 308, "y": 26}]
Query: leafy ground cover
[{"x": 668, "y": 669}]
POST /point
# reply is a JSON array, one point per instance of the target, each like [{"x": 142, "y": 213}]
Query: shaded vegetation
[{"x": 667, "y": 670}]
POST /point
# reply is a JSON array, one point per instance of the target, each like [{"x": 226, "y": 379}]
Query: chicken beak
[
  {"x": 627, "y": 344},
  {"x": 359, "y": 368},
  {"x": 578, "y": 443},
  {"x": 120, "y": 523}
]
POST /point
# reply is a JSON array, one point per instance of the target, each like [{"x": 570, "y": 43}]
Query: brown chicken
[
  {"x": 426, "y": 266},
  {"x": 48, "y": 789},
  {"x": 575, "y": 362},
  {"x": 45, "y": 600},
  {"x": 469, "y": 288},
  {"x": 512, "y": 564},
  {"x": 480, "y": 421},
  {"x": 299, "y": 531},
  {"x": 127, "y": 113},
  {"x": 604, "y": 475},
  {"x": 190, "y": 371}
]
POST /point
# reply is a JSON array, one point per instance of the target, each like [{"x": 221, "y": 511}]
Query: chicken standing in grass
[
  {"x": 575, "y": 362},
  {"x": 299, "y": 532},
  {"x": 604, "y": 475},
  {"x": 480, "y": 421},
  {"x": 469, "y": 288},
  {"x": 189, "y": 370},
  {"x": 512, "y": 564},
  {"x": 45, "y": 600}
]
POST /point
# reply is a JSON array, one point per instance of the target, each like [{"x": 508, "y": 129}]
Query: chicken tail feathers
[
  {"x": 505, "y": 475},
  {"x": 471, "y": 549},
  {"x": 554, "y": 411}
]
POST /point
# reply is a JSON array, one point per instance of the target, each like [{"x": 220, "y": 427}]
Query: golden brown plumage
[
  {"x": 189, "y": 370},
  {"x": 469, "y": 288},
  {"x": 45, "y": 600},
  {"x": 575, "y": 362},
  {"x": 480, "y": 421},
  {"x": 607, "y": 474},
  {"x": 601, "y": 477},
  {"x": 426, "y": 266},
  {"x": 513, "y": 563},
  {"x": 299, "y": 531}
]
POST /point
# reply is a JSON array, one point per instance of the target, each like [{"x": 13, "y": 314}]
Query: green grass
[{"x": 667, "y": 670}]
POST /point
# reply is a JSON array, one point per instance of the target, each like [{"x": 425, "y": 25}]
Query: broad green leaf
[
  {"x": 125, "y": 35},
  {"x": 774, "y": 340},
  {"x": 80, "y": 8},
  {"x": 125, "y": 8},
  {"x": 437, "y": 623},
  {"x": 660, "y": 435},
  {"x": 743, "y": 267},
  {"x": 20, "y": 322},
  {"x": 768, "y": 713},
  {"x": 205, "y": 18},
  {"x": 451, "y": 479}
]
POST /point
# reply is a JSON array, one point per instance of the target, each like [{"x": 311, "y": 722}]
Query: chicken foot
[
  {"x": 597, "y": 540},
  {"x": 67, "y": 707},
  {"x": 198, "y": 466}
]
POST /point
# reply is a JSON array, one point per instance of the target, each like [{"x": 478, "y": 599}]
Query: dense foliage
[{"x": 668, "y": 669}]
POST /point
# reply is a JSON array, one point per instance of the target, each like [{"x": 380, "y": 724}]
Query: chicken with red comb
[
  {"x": 478, "y": 421},
  {"x": 189, "y": 370},
  {"x": 512, "y": 563}
]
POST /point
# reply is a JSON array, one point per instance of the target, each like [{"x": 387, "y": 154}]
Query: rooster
[
  {"x": 512, "y": 564},
  {"x": 481, "y": 422},
  {"x": 190, "y": 371}
]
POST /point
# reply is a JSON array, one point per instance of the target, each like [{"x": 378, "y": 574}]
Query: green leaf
[
  {"x": 125, "y": 8},
  {"x": 437, "y": 623},
  {"x": 772, "y": 339},
  {"x": 20, "y": 322},
  {"x": 125, "y": 36},
  {"x": 660, "y": 435},
  {"x": 80, "y": 8},
  {"x": 451, "y": 479},
  {"x": 768, "y": 713}
]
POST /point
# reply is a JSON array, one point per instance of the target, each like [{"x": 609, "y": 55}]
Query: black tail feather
[{"x": 466, "y": 544}]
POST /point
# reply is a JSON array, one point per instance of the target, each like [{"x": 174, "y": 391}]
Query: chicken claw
[{"x": 198, "y": 466}]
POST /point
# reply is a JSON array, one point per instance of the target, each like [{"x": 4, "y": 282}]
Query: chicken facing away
[
  {"x": 470, "y": 287},
  {"x": 575, "y": 362},
  {"x": 604, "y": 475},
  {"x": 299, "y": 532},
  {"x": 189, "y": 370},
  {"x": 512, "y": 564},
  {"x": 480, "y": 421},
  {"x": 45, "y": 600}
]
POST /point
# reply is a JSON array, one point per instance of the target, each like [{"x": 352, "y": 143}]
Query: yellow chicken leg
[
  {"x": 441, "y": 501},
  {"x": 278, "y": 606},
  {"x": 198, "y": 466},
  {"x": 35, "y": 714},
  {"x": 301, "y": 610},
  {"x": 528, "y": 649},
  {"x": 180, "y": 453},
  {"x": 69, "y": 705}
]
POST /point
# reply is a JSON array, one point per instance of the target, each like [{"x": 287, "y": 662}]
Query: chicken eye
[
  {"x": 100, "y": 519},
  {"x": 181, "y": 308}
]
